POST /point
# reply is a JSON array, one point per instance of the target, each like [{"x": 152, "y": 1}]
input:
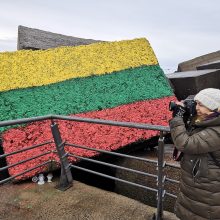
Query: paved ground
[{"x": 80, "y": 202}]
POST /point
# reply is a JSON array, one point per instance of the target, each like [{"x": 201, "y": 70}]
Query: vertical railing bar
[
  {"x": 160, "y": 193},
  {"x": 66, "y": 178}
]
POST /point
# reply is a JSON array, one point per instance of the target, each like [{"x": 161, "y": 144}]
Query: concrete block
[
  {"x": 201, "y": 60},
  {"x": 30, "y": 38},
  {"x": 212, "y": 65},
  {"x": 191, "y": 82}
]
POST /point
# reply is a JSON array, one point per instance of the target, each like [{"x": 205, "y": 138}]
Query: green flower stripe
[{"x": 85, "y": 94}]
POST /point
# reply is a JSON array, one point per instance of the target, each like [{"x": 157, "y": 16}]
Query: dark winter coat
[{"x": 199, "y": 196}]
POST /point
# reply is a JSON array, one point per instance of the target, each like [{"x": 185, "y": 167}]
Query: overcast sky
[{"x": 177, "y": 30}]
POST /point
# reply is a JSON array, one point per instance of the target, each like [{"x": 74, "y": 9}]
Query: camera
[{"x": 189, "y": 106}]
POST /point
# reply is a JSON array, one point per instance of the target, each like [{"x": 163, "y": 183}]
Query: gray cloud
[
  {"x": 8, "y": 44},
  {"x": 177, "y": 30}
]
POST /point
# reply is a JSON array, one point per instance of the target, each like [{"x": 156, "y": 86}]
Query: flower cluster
[
  {"x": 22, "y": 69},
  {"x": 92, "y": 135},
  {"x": 85, "y": 94},
  {"x": 119, "y": 81}
]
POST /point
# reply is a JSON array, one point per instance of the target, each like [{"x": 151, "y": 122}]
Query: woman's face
[{"x": 202, "y": 111}]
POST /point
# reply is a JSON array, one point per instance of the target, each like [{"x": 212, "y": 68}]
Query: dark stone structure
[
  {"x": 191, "y": 82},
  {"x": 140, "y": 194},
  {"x": 193, "y": 63},
  {"x": 30, "y": 38},
  {"x": 212, "y": 65}
]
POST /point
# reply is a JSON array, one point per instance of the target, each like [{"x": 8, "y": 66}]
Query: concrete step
[{"x": 212, "y": 65}]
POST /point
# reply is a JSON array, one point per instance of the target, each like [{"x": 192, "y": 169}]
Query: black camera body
[{"x": 189, "y": 106}]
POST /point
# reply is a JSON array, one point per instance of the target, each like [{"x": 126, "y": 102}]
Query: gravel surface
[{"x": 82, "y": 202}]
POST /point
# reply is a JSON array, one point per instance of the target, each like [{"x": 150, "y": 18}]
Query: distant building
[{"x": 198, "y": 61}]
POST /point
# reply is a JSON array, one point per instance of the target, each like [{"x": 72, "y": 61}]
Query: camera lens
[{"x": 172, "y": 105}]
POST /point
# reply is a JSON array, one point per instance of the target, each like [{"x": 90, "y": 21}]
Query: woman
[{"x": 199, "y": 196}]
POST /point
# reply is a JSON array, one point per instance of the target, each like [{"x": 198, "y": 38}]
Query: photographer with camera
[{"x": 198, "y": 139}]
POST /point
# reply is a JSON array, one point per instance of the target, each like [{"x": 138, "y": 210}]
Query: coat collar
[{"x": 211, "y": 121}]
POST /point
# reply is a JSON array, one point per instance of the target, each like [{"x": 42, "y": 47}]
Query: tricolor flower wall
[{"x": 119, "y": 81}]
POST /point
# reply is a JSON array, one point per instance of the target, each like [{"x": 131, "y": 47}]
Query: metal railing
[{"x": 66, "y": 175}]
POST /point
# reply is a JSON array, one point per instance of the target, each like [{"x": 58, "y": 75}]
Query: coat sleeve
[{"x": 207, "y": 140}]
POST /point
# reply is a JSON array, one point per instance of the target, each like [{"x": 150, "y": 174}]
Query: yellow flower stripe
[{"x": 26, "y": 68}]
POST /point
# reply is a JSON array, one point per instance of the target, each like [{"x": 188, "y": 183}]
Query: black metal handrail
[
  {"x": 114, "y": 178},
  {"x": 26, "y": 171},
  {"x": 24, "y": 161},
  {"x": 88, "y": 120},
  {"x": 110, "y": 152},
  {"x": 112, "y": 165},
  {"x": 66, "y": 176},
  {"x": 25, "y": 149}
]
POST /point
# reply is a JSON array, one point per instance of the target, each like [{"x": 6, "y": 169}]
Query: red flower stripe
[{"x": 105, "y": 137}]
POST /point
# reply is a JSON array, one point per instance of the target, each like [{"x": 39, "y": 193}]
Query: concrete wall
[
  {"x": 143, "y": 195},
  {"x": 191, "y": 82}
]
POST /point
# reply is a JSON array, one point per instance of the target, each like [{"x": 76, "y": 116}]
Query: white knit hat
[{"x": 210, "y": 98}]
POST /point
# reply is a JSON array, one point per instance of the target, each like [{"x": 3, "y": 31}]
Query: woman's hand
[
  {"x": 179, "y": 110},
  {"x": 179, "y": 103}
]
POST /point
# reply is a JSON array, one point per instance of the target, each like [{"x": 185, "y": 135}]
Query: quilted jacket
[{"x": 199, "y": 196}]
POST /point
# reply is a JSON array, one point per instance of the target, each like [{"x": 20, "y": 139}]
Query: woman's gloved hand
[{"x": 179, "y": 111}]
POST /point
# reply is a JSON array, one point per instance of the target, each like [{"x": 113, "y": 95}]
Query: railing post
[
  {"x": 66, "y": 178},
  {"x": 160, "y": 180}
]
